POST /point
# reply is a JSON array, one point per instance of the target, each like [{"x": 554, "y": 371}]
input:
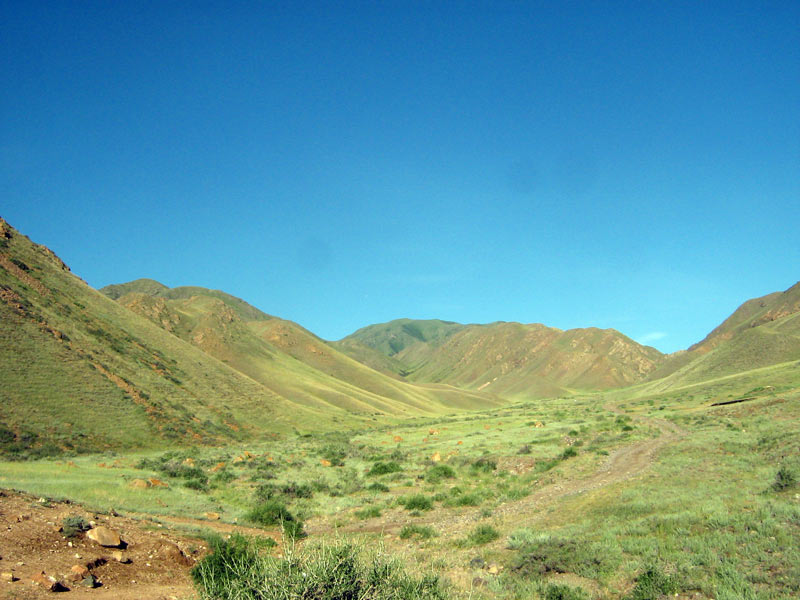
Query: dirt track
[{"x": 622, "y": 464}]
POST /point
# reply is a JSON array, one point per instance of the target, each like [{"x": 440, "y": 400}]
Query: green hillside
[
  {"x": 286, "y": 358},
  {"x": 508, "y": 359},
  {"x": 82, "y": 371},
  {"x": 761, "y": 332}
]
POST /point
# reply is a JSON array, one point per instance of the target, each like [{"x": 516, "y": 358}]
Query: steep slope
[
  {"x": 761, "y": 332},
  {"x": 509, "y": 359},
  {"x": 79, "y": 370}
]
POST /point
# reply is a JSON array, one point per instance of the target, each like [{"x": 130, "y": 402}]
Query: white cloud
[{"x": 653, "y": 336}]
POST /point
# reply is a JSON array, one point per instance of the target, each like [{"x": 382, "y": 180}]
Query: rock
[
  {"x": 494, "y": 570},
  {"x": 157, "y": 482},
  {"x": 172, "y": 553},
  {"x": 217, "y": 467},
  {"x": 189, "y": 462},
  {"x": 51, "y": 584},
  {"x": 104, "y": 536},
  {"x": 397, "y": 438},
  {"x": 118, "y": 556},
  {"x": 324, "y": 462},
  {"x": 436, "y": 457},
  {"x": 212, "y": 516},
  {"x": 90, "y": 581},
  {"x": 78, "y": 572},
  {"x": 7, "y": 576},
  {"x": 140, "y": 484}
]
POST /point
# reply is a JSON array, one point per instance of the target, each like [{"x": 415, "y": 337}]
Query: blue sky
[{"x": 633, "y": 165}]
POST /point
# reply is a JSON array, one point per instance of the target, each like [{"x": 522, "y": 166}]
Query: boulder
[
  {"x": 51, "y": 584},
  {"x": 78, "y": 573},
  {"x": 172, "y": 553},
  {"x": 104, "y": 536}
]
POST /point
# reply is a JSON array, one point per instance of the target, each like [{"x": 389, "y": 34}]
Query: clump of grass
[
  {"x": 274, "y": 513},
  {"x": 416, "y": 502},
  {"x": 384, "y": 468},
  {"x": 73, "y": 525},
  {"x": 784, "y": 479},
  {"x": 556, "y": 591},
  {"x": 237, "y": 571},
  {"x": 421, "y": 531},
  {"x": 482, "y": 534},
  {"x": 438, "y": 472},
  {"x": 267, "y": 491},
  {"x": 569, "y": 452},
  {"x": 369, "y": 512},
  {"x": 484, "y": 465},
  {"x": 377, "y": 487},
  {"x": 652, "y": 584},
  {"x": 552, "y": 555}
]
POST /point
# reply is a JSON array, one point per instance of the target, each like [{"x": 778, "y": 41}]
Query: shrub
[
  {"x": 569, "y": 452},
  {"x": 485, "y": 465},
  {"x": 422, "y": 531},
  {"x": 436, "y": 473},
  {"x": 483, "y": 534},
  {"x": 784, "y": 479},
  {"x": 564, "y": 592},
  {"x": 274, "y": 513},
  {"x": 74, "y": 525},
  {"x": 416, "y": 502},
  {"x": 551, "y": 555},
  {"x": 369, "y": 512},
  {"x": 383, "y": 468},
  {"x": 236, "y": 571},
  {"x": 652, "y": 585},
  {"x": 377, "y": 487}
]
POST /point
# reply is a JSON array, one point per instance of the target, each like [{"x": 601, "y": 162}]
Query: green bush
[
  {"x": 369, "y": 512},
  {"x": 482, "y": 534},
  {"x": 377, "y": 487},
  {"x": 564, "y": 592},
  {"x": 652, "y": 585},
  {"x": 784, "y": 479},
  {"x": 438, "y": 472},
  {"x": 237, "y": 571},
  {"x": 551, "y": 555},
  {"x": 569, "y": 452},
  {"x": 422, "y": 531},
  {"x": 74, "y": 525},
  {"x": 274, "y": 513},
  {"x": 383, "y": 468},
  {"x": 484, "y": 465},
  {"x": 416, "y": 502}
]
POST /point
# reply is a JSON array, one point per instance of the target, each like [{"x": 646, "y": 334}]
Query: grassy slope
[
  {"x": 508, "y": 359},
  {"x": 288, "y": 359},
  {"x": 75, "y": 361}
]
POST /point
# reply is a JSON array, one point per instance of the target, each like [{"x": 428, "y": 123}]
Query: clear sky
[{"x": 633, "y": 165}]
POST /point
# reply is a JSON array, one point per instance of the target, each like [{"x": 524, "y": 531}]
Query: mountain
[
  {"x": 761, "y": 332},
  {"x": 82, "y": 371},
  {"x": 281, "y": 355},
  {"x": 508, "y": 359}
]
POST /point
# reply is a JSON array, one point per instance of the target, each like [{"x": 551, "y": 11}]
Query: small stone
[
  {"x": 118, "y": 556},
  {"x": 173, "y": 553},
  {"x": 51, "y": 584},
  {"x": 7, "y": 576},
  {"x": 89, "y": 581},
  {"x": 78, "y": 572},
  {"x": 212, "y": 516},
  {"x": 104, "y": 536},
  {"x": 494, "y": 570}
]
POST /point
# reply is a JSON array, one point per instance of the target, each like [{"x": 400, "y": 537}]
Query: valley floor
[{"x": 615, "y": 496}]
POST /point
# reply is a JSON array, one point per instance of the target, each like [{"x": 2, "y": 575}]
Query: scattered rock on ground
[{"x": 104, "y": 536}]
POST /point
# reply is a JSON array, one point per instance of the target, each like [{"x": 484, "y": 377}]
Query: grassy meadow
[{"x": 538, "y": 499}]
